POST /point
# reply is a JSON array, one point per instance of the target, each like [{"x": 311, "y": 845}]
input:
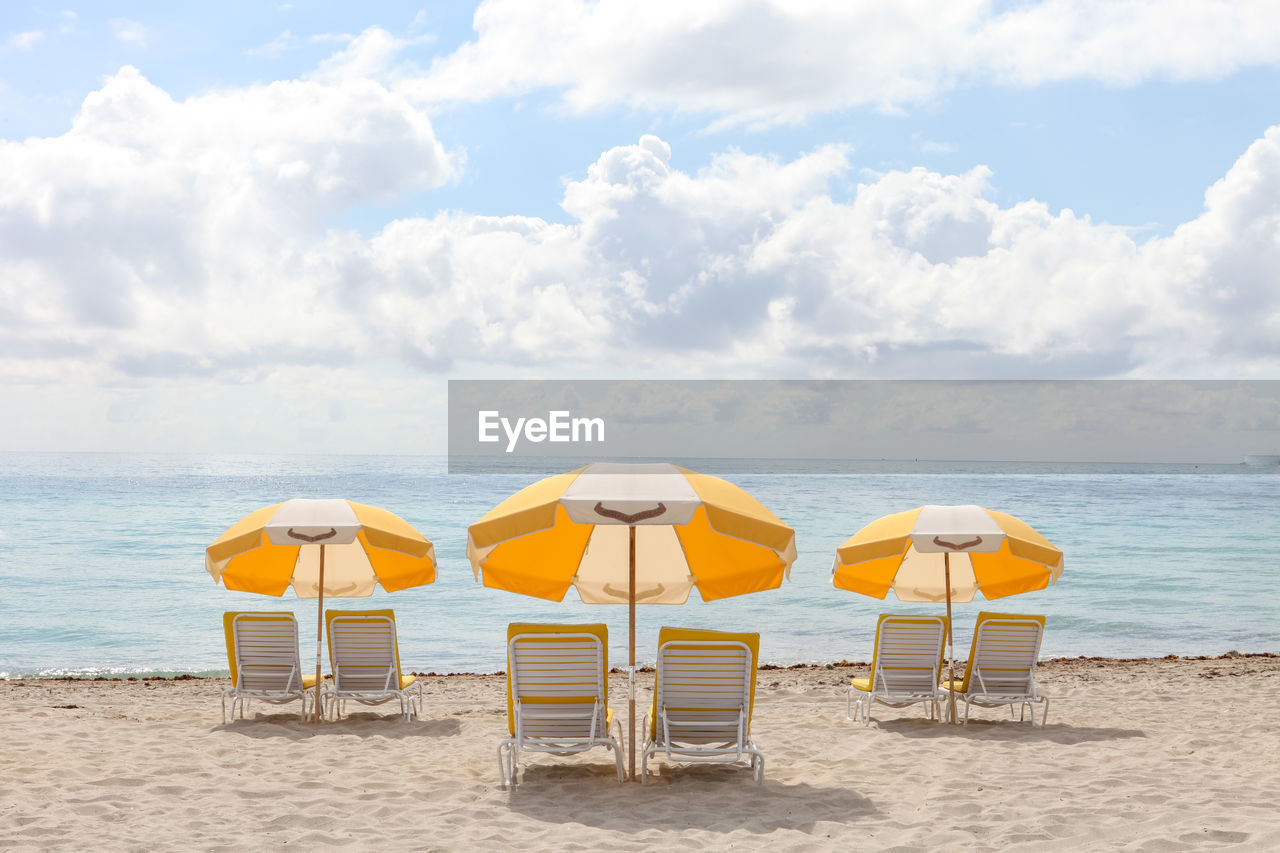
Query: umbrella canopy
[
  {"x": 278, "y": 546},
  {"x": 631, "y": 534},
  {"x": 987, "y": 551},
  {"x": 690, "y": 530},
  {"x": 946, "y": 553},
  {"x": 321, "y": 547}
]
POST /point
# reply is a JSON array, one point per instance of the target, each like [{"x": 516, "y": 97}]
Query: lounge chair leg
[
  {"x": 506, "y": 764},
  {"x": 1044, "y": 718},
  {"x": 617, "y": 727}
]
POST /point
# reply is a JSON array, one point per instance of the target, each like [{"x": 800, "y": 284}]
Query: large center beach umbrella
[
  {"x": 631, "y": 534},
  {"x": 320, "y": 547},
  {"x": 946, "y": 553}
]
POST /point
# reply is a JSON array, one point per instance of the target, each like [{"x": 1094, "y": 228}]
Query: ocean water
[{"x": 102, "y": 558}]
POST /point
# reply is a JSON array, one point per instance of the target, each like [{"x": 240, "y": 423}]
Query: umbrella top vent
[
  {"x": 966, "y": 528},
  {"x": 313, "y": 521},
  {"x": 622, "y": 493}
]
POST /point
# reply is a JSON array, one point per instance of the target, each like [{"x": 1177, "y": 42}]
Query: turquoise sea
[{"x": 102, "y": 557}]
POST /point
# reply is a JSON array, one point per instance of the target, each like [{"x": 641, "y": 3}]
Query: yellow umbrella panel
[
  {"x": 631, "y": 534},
  {"x": 321, "y": 547}
]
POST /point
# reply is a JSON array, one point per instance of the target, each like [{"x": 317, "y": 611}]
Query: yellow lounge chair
[
  {"x": 365, "y": 660},
  {"x": 557, "y": 694},
  {"x": 1002, "y": 665},
  {"x": 906, "y": 667},
  {"x": 703, "y": 695},
  {"x": 262, "y": 652}
]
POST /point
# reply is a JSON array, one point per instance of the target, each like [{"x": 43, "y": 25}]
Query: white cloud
[
  {"x": 181, "y": 244},
  {"x": 25, "y": 41},
  {"x": 750, "y": 267},
  {"x": 128, "y": 31},
  {"x": 366, "y": 56},
  {"x": 277, "y": 47},
  {"x": 1220, "y": 268},
  {"x": 760, "y": 62},
  {"x": 374, "y": 54},
  {"x": 69, "y": 20},
  {"x": 166, "y": 237}
]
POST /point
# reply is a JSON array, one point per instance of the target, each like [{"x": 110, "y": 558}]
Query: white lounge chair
[
  {"x": 1002, "y": 665},
  {"x": 906, "y": 667},
  {"x": 703, "y": 695},
  {"x": 262, "y": 651},
  {"x": 365, "y": 659},
  {"x": 557, "y": 694}
]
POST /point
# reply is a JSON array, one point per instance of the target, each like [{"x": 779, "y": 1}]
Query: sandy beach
[{"x": 1170, "y": 754}]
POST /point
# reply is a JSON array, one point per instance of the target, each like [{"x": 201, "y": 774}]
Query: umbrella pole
[
  {"x": 951, "y": 643},
  {"x": 315, "y": 709},
  {"x": 631, "y": 659}
]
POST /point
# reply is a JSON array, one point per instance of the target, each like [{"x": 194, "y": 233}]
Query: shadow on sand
[
  {"x": 288, "y": 727},
  {"x": 728, "y": 800},
  {"x": 1004, "y": 731}
]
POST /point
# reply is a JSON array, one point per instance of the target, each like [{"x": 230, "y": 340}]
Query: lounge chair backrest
[
  {"x": 704, "y": 672},
  {"x": 262, "y": 650},
  {"x": 558, "y": 665},
  {"x": 1003, "y": 656},
  {"x": 363, "y": 653},
  {"x": 909, "y": 653}
]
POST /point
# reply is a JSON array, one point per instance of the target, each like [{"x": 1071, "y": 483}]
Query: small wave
[{"x": 111, "y": 672}]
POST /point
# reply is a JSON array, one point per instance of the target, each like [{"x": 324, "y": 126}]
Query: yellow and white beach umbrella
[
  {"x": 946, "y": 553},
  {"x": 320, "y": 547},
  {"x": 631, "y": 534}
]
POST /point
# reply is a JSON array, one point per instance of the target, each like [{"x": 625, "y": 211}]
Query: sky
[{"x": 283, "y": 227}]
